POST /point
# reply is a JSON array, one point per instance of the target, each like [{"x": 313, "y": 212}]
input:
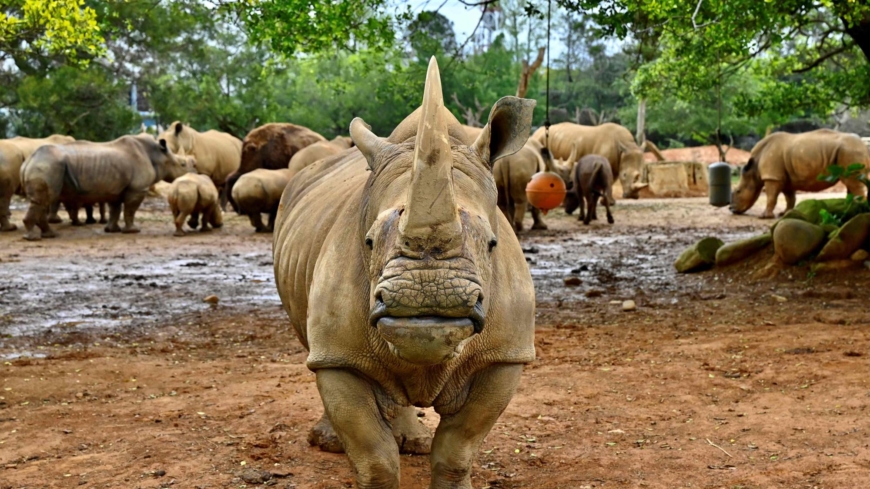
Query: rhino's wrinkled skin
[
  {"x": 13, "y": 153},
  {"x": 569, "y": 141},
  {"x": 784, "y": 162},
  {"x": 408, "y": 287},
  {"x": 81, "y": 173}
]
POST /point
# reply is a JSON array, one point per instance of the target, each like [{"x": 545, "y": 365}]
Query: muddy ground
[{"x": 116, "y": 374}]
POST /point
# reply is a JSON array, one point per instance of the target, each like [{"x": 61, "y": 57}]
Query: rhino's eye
[
  {"x": 492, "y": 244},
  {"x": 369, "y": 242}
]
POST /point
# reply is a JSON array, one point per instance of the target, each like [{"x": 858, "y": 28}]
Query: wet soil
[{"x": 115, "y": 373}]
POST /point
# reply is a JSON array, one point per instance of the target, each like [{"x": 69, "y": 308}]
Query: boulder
[
  {"x": 860, "y": 255},
  {"x": 795, "y": 240},
  {"x": 792, "y": 214},
  {"x": 846, "y": 240},
  {"x": 700, "y": 256},
  {"x": 741, "y": 250},
  {"x": 812, "y": 208}
]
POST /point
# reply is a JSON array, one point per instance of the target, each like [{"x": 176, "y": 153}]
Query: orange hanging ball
[{"x": 546, "y": 191}]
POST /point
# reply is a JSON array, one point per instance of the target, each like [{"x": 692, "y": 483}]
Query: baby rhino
[
  {"x": 591, "y": 179},
  {"x": 260, "y": 192},
  {"x": 191, "y": 195}
]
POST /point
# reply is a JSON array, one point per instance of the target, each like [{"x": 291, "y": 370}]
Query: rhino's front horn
[{"x": 431, "y": 215}]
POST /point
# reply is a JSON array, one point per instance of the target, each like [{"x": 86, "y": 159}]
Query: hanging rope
[{"x": 547, "y": 114}]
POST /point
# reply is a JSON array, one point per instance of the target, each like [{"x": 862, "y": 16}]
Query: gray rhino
[
  {"x": 787, "y": 163},
  {"x": 408, "y": 287},
  {"x": 118, "y": 172},
  {"x": 591, "y": 180},
  {"x": 13, "y": 153}
]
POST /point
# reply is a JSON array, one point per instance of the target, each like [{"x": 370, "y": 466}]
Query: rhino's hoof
[
  {"x": 54, "y": 219},
  {"x": 8, "y": 227},
  {"x": 263, "y": 230},
  {"x": 103, "y": 220},
  {"x": 77, "y": 223},
  {"x": 112, "y": 229},
  {"x": 130, "y": 230},
  {"x": 323, "y": 436},
  {"x": 767, "y": 216},
  {"x": 539, "y": 225},
  {"x": 32, "y": 237},
  {"x": 205, "y": 229},
  {"x": 179, "y": 233},
  {"x": 49, "y": 234},
  {"x": 90, "y": 220}
]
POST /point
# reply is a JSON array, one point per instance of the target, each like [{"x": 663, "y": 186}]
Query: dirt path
[{"x": 714, "y": 382}]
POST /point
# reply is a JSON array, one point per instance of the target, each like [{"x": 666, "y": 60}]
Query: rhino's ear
[
  {"x": 510, "y": 122},
  {"x": 178, "y": 127},
  {"x": 369, "y": 144},
  {"x": 163, "y": 145}
]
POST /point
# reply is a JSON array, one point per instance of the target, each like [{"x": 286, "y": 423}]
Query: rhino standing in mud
[
  {"x": 408, "y": 287},
  {"x": 591, "y": 180},
  {"x": 117, "y": 172},
  {"x": 13, "y": 153},
  {"x": 786, "y": 163}
]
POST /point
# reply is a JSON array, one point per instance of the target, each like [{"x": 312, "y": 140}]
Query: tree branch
[{"x": 823, "y": 58}]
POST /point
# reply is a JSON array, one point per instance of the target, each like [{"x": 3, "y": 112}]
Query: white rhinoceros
[{"x": 408, "y": 287}]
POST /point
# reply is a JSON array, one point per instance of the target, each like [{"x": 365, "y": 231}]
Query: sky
[{"x": 465, "y": 18}]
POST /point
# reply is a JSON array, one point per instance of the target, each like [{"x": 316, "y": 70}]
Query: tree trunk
[
  {"x": 641, "y": 122},
  {"x": 528, "y": 71}
]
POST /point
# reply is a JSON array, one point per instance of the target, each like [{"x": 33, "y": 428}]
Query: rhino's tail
[{"x": 69, "y": 178}]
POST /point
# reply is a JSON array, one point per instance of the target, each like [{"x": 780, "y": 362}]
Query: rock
[
  {"x": 591, "y": 293},
  {"x": 572, "y": 281},
  {"x": 834, "y": 266},
  {"x": 159, "y": 473},
  {"x": 629, "y": 305},
  {"x": 741, "y": 250},
  {"x": 581, "y": 268},
  {"x": 212, "y": 299},
  {"x": 795, "y": 240},
  {"x": 699, "y": 257},
  {"x": 255, "y": 476},
  {"x": 847, "y": 240},
  {"x": 812, "y": 209},
  {"x": 860, "y": 255},
  {"x": 531, "y": 249},
  {"x": 792, "y": 214}
]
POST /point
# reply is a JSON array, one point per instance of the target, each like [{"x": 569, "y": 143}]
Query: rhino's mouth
[{"x": 475, "y": 318}]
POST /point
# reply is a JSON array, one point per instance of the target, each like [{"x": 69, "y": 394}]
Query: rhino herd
[{"x": 396, "y": 258}]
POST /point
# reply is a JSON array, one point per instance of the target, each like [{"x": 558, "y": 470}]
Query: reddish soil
[{"x": 715, "y": 381}]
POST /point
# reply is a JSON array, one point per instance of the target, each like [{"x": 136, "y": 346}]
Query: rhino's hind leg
[
  {"x": 350, "y": 402},
  {"x": 537, "y": 218},
  {"x": 461, "y": 432},
  {"x": 323, "y": 436},
  {"x": 89, "y": 214},
  {"x": 5, "y": 201},
  {"x": 412, "y": 436},
  {"x": 257, "y": 222},
  {"x": 103, "y": 219},
  {"x": 193, "y": 222},
  {"x": 53, "y": 209},
  {"x": 790, "y": 199}
]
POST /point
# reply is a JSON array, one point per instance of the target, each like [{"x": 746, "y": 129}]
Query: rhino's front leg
[
  {"x": 132, "y": 201},
  {"x": 351, "y": 404},
  {"x": 771, "y": 189},
  {"x": 460, "y": 433}
]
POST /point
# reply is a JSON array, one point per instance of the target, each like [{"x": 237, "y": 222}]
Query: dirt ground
[{"x": 115, "y": 373}]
